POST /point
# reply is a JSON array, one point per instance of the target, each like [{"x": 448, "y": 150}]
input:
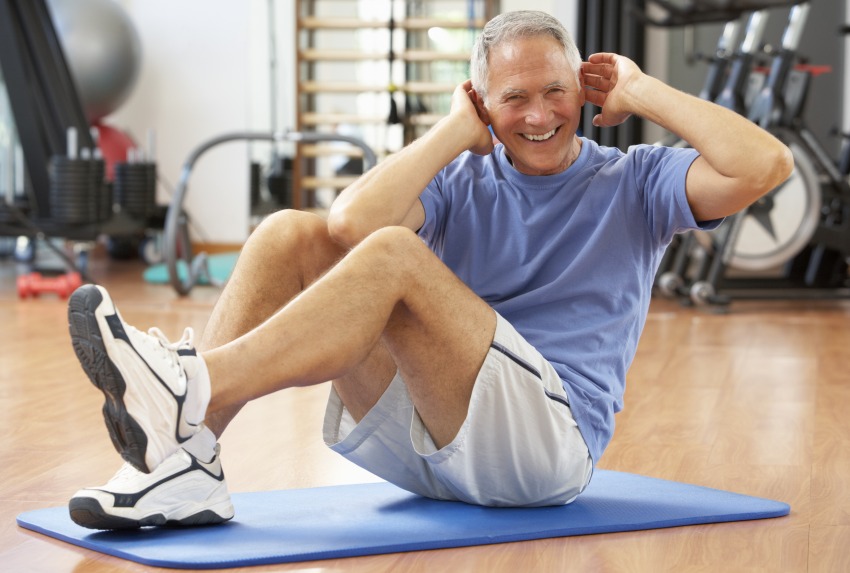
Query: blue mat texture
[{"x": 367, "y": 519}]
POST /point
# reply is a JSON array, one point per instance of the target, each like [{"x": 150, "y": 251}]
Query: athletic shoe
[
  {"x": 156, "y": 391},
  {"x": 182, "y": 490}
]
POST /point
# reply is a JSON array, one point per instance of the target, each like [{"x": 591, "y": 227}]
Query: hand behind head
[
  {"x": 470, "y": 111},
  {"x": 605, "y": 78}
]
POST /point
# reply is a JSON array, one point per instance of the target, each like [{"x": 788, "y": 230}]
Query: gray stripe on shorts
[
  {"x": 557, "y": 397},
  {"x": 530, "y": 368},
  {"x": 515, "y": 358}
]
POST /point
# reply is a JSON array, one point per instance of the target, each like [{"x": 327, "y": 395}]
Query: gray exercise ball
[{"x": 102, "y": 49}]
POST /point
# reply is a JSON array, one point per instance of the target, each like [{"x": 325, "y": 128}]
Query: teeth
[{"x": 543, "y": 137}]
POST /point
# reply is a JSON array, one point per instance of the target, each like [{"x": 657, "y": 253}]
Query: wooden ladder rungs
[
  {"x": 325, "y": 150},
  {"x": 334, "y": 182},
  {"x": 319, "y": 23},
  {"x": 313, "y": 119},
  {"x": 408, "y": 56},
  {"x": 354, "y": 87}
]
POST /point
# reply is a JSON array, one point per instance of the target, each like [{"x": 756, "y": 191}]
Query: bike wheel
[{"x": 780, "y": 224}]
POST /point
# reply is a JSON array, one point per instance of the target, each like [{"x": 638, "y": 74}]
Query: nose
[{"x": 537, "y": 112}]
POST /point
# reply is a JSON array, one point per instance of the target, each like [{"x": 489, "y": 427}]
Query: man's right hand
[
  {"x": 467, "y": 111},
  {"x": 388, "y": 194}
]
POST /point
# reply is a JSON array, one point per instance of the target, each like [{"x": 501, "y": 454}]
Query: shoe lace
[
  {"x": 185, "y": 340},
  {"x": 159, "y": 341}
]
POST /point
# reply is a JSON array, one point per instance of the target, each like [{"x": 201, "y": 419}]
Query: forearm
[
  {"x": 387, "y": 193},
  {"x": 739, "y": 162},
  {"x": 733, "y": 146}
]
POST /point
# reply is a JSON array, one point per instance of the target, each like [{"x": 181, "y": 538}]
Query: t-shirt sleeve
[
  {"x": 434, "y": 203},
  {"x": 661, "y": 173}
]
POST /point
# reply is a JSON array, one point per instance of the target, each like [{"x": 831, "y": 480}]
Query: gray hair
[{"x": 510, "y": 26}]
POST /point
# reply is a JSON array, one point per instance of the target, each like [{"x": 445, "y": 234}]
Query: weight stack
[
  {"x": 135, "y": 189},
  {"x": 79, "y": 194}
]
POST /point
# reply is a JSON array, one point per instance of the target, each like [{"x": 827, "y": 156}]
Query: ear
[
  {"x": 581, "y": 89},
  {"x": 479, "y": 107}
]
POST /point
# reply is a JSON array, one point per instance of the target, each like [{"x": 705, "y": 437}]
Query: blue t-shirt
[{"x": 568, "y": 259}]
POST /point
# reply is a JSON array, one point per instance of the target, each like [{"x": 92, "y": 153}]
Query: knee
[
  {"x": 291, "y": 233},
  {"x": 393, "y": 252},
  {"x": 289, "y": 222},
  {"x": 289, "y": 226},
  {"x": 395, "y": 243}
]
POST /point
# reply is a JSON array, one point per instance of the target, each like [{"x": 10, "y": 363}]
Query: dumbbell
[{"x": 33, "y": 284}]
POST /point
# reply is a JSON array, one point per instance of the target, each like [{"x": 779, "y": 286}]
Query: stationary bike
[
  {"x": 733, "y": 87},
  {"x": 802, "y": 226}
]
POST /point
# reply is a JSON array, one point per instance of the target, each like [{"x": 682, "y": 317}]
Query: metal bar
[
  {"x": 16, "y": 75},
  {"x": 610, "y": 42},
  {"x": 174, "y": 232}
]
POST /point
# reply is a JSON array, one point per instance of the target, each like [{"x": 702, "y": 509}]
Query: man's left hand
[{"x": 605, "y": 78}]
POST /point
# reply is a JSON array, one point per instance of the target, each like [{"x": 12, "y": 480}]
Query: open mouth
[{"x": 543, "y": 137}]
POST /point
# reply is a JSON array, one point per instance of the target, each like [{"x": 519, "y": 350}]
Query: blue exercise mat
[{"x": 345, "y": 521}]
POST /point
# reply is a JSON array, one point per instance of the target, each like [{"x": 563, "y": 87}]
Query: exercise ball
[{"x": 102, "y": 49}]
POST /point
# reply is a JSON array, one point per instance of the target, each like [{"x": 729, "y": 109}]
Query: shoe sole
[
  {"x": 127, "y": 435},
  {"x": 87, "y": 512}
]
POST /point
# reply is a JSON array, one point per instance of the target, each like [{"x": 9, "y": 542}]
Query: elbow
[
  {"x": 344, "y": 229},
  {"x": 784, "y": 165},
  {"x": 777, "y": 167}
]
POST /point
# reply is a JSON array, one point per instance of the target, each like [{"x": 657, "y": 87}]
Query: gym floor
[{"x": 753, "y": 401}]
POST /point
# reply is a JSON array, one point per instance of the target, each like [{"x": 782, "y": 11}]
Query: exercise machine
[
  {"x": 729, "y": 82},
  {"x": 177, "y": 247},
  {"x": 801, "y": 227},
  {"x": 795, "y": 241},
  {"x": 66, "y": 194}
]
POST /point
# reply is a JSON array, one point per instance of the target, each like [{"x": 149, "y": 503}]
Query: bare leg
[
  {"x": 286, "y": 253},
  {"x": 363, "y": 385},
  {"x": 389, "y": 288}
]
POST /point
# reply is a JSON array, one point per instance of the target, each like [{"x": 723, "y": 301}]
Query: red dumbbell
[{"x": 33, "y": 284}]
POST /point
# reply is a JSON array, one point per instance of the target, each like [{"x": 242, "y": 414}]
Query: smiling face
[{"x": 534, "y": 104}]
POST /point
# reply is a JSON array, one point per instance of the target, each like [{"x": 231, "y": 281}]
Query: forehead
[{"x": 528, "y": 60}]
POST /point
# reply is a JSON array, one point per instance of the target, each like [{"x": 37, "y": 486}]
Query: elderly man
[{"x": 476, "y": 306}]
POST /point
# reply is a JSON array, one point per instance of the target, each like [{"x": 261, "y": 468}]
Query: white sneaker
[
  {"x": 156, "y": 391},
  {"x": 182, "y": 490}
]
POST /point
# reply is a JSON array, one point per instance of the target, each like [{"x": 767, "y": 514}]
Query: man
[{"x": 476, "y": 307}]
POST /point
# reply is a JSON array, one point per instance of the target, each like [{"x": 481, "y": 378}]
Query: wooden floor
[{"x": 756, "y": 401}]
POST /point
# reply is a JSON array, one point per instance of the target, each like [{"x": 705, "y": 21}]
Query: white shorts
[{"x": 519, "y": 445}]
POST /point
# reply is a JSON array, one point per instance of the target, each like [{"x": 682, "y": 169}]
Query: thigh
[
  {"x": 438, "y": 336},
  {"x": 518, "y": 446},
  {"x": 362, "y": 386}
]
